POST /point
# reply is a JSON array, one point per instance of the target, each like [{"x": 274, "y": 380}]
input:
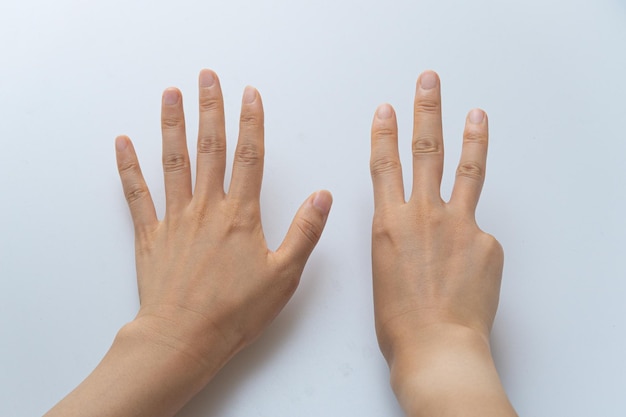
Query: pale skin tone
[
  {"x": 436, "y": 274},
  {"x": 209, "y": 285}
]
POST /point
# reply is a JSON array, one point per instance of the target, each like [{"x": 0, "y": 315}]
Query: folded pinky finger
[
  {"x": 470, "y": 174},
  {"x": 135, "y": 188}
]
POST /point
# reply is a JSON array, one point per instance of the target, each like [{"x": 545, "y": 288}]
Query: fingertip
[
  {"x": 477, "y": 116},
  {"x": 249, "y": 95},
  {"x": 384, "y": 111},
  {"x": 121, "y": 143},
  {"x": 428, "y": 80},
  {"x": 207, "y": 78},
  {"x": 171, "y": 95},
  {"x": 322, "y": 201}
]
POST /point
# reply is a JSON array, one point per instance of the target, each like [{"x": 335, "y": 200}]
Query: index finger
[
  {"x": 247, "y": 174},
  {"x": 470, "y": 174}
]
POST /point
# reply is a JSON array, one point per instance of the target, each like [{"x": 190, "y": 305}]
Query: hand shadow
[{"x": 217, "y": 397}]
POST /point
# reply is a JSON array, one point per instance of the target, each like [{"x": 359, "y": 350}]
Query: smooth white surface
[{"x": 74, "y": 74}]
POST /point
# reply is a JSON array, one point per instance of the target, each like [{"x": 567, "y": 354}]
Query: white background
[{"x": 551, "y": 75}]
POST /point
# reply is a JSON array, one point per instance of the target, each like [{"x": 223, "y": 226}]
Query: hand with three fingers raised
[
  {"x": 436, "y": 275},
  {"x": 208, "y": 284}
]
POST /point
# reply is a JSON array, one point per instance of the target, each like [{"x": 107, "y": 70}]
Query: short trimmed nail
[
  {"x": 428, "y": 80},
  {"x": 207, "y": 79},
  {"x": 476, "y": 116},
  {"x": 384, "y": 111},
  {"x": 322, "y": 201},
  {"x": 121, "y": 143},
  {"x": 170, "y": 96},
  {"x": 249, "y": 95}
]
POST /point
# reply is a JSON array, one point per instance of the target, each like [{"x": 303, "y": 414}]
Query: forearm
[
  {"x": 448, "y": 371},
  {"x": 208, "y": 283},
  {"x": 141, "y": 375}
]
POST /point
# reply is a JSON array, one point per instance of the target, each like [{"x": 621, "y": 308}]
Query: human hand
[
  {"x": 436, "y": 274},
  {"x": 208, "y": 284}
]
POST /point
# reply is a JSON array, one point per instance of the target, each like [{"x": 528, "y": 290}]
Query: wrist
[
  {"x": 154, "y": 357},
  {"x": 442, "y": 363},
  {"x": 178, "y": 342},
  {"x": 146, "y": 372},
  {"x": 421, "y": 351}
]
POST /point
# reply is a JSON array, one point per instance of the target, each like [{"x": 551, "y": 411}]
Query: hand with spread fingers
[
  {"x": 208, "y": 284},
  {"x": 436, "y": 275}
]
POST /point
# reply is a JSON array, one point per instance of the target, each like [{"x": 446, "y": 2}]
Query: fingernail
[
  {"x": 121, "y": 143},
  {"x": 384, "y": 111},
  {"x": 249, "y": 95},
  {"x": 322, "y": 201},
  {"x": 428, "y": 80},
  {"x": 476, "y": 116},
  {"x": 207, "y": 79},
  {"x": 170, "y": 96}
]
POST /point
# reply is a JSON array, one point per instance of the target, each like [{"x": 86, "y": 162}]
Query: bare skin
[
  {"x": 208, "y": 284},
  {"x": 436, "y": 275}
]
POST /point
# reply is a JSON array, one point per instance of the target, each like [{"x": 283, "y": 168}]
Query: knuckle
[
  {"x": 494, "y": 246},
  {"x": 380, "y": 231},
  {"x": 384, "y": 132},
  {"x": 211, "y": 144},
  {"x": 170, "y": 122},
  {"x": 382, "y": 227},
  {"x": 473, "y": 136},
  {"x": 470, "y": 170},
  {"x": 200, "y": 214},
  {"x": 310, "y": 230},
  {"x": 250, "y": 119},
  {"x": 174, "y": 162},
  {"x": 240, "y": 216},
  {"x": 384, "y": 165},
  {"x": 134, "y": 193},
  {"x": 248, "y": 154},
  {"x": 427, "y": 106},
  {"x": 128, "y": 168},
  {"x": 237, "y": 223},
  {"x": 425, "y": 145},
  {"x": 209, "y": 104},
  {"x": 144, "y": 239}
]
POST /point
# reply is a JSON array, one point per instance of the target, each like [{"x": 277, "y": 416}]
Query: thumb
[{"x": 307, "y": 226}]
